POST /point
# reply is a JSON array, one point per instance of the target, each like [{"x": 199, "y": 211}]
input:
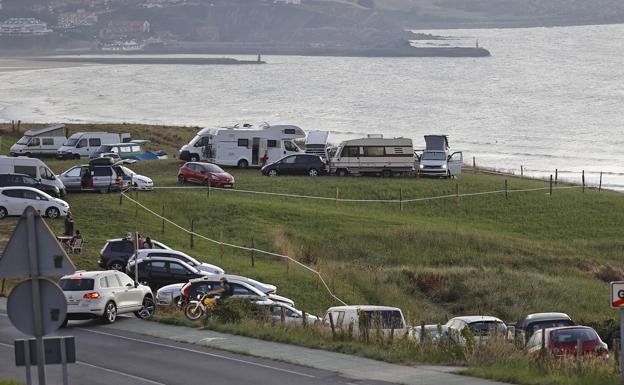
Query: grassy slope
[{"x": 435, "y": 259}]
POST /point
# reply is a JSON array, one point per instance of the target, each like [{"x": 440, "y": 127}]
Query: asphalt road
[{"x": 114, "y": 357}]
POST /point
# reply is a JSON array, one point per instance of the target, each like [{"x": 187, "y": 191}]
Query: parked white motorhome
[
  {"x": 437, "y": 160},
  {"x": 83, "y": 144},
  {"x": 373, "y": 155},
  {"x": 40, "y": 141},
  {"x": 356, "y": 318},
  {"x": 243, "y": 146},
  {"x": 33, "y": 167}
]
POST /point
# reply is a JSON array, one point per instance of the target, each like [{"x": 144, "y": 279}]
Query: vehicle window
[
  {"x": 177, "y": 268},
  {"x": 203, "y": 141},
  {"x": 547, "y": 324},
  {"x": 124, "y": 279},
  {"x": 105, "y": 148},
  {"x": 33, "y": 195},
  {"x": 289, "y": 131},
  {"x": 74, "y": 172},
  {"x": 384, "y": 319},
  {"x": 23, "y": 140},
  {"x": 213, "y": 168},
  {"x": 374, "y": 151},
  {"x": 243, "y": 142},
  {"x": 290, "y": 313},
  {"x": 71, "y": 142},
  {"x": 103, "y": 283},
  {"x": 122, "y": 247},
  {"x": 113, "y": 281},
  {"x": 26, "y": 180},
  {"x": 241, "y": 290},
  {"x": 290, "y": 146},
  {"x": 301, "y": 159},
  {"x": 102, "y": 171},
  {"x": 484, "y": 328},
  {"x": 33, "y": 142},
  {"x": 271, "y": 143},
  {"x": 28, "y": 170},
  {"x": 289, "y": 160},
  {"x": 572, "y": 335},
  {"x": 46, "y": 173},
  {"x": 350, "y": 151},
  {"x": 125, "y": 149},
  {"x": 95, "y": 142},
  {"x": 47, "y": 141},
  {"x": 202, "y": 287},
  {"x": 433, "y": 155},
  {"x": 13, "y": 193},
  {"x": 76, "y": 284},
  {"x": 82, "y": 143},
  {"x": 136, "y": 148},
  {"x": 158, "y": 266}
]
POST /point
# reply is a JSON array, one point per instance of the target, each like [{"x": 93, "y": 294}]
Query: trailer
[{"x": 243, "y": 146}]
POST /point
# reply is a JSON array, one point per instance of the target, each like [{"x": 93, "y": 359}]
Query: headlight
[
  {"x": 422, "y": 166},
  {"x": 443, "y": 166},
  {"x": 214, "y": 177}
]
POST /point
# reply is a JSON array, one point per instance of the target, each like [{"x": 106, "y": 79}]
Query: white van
[
  {"x": 33, "y": 167},
  {"x": 373, "y": 155},
  {"x": 83, "y": 144},
  {"x": 40, "y": 141},
  {"x": 385, "y": 319},
  {"x": 243, "y": 146},
  {"x": 437, "y": 160}
]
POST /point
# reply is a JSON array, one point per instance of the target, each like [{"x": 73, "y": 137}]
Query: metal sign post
[{"x": 621, "y": 345}]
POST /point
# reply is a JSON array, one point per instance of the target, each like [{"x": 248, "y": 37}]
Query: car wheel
[
  {"x": 148, "y": 309},
  {"x": 76, "y": 156},
  {"x": 313, "y": 172},
  {"x": 116, "y": 266},
  {"x": 3, "y": 212},
  {"x": 243, "y": 163},
  {"x": 386, "y": 173},
  {"x": 181, "y": 179},
  {"x": 52, "y": 212},
  {"x": 272, "y": 172},
  {"x": 28, "y": 154},
  {"x": 110, "y": 313},
  {"x": 194, "y": 158},
  {"x": 342, "y": 172}
]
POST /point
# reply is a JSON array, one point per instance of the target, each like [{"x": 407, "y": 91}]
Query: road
[{"x": 108, "y": 356}]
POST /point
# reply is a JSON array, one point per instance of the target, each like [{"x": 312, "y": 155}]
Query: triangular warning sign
[{"x": 51, "y": 258}]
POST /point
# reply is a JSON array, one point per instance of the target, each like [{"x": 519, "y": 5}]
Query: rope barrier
[{"x": 318, "y": 274}]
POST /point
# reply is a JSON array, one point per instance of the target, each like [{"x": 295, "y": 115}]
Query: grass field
[{"x": 435, "y": 259}]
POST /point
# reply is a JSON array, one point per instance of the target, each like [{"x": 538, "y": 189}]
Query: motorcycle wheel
[{"x": 193, "y": 311}]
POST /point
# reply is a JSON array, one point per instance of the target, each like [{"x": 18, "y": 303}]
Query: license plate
[
  {"x": 227, "y": 185},
  {"x": 73, "y": 301}
]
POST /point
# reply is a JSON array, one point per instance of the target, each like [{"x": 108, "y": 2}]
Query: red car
[
  {"x": 204, "y": 173},
  {"x": 562, "y": 341}
]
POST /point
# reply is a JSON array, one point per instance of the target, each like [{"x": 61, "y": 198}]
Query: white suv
[{"x": 105, "y": 294}]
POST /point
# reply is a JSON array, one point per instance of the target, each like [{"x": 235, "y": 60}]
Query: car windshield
[
  {"x": 76, "y": 284},
  {"x": 213, "y": 168},
  {"x": 484, "y": 328},
  {"x": 23, "y": 140},
  {"x": 70, "y": 142},
  {"x": 547, "y": 324},
  {"x": 104, "y": 148},
  {"x": 572, "y": 335},
  {"x": 433, "y": 155},
  {"x": 126, "y": 170}
]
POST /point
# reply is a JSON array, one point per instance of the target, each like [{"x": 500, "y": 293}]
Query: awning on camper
[{"x": 317, "y": 137}]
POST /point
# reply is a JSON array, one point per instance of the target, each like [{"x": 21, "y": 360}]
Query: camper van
[
  {"x": 83, "y": 144},
  {"x": 129, "y": 150},
  {"x": 437, "y": 160},
  {"x": 40, "y": 141},
  {"x": 33, "y": 167},
  {"x": 373, "y": 155},
  {"x": 367, "y": 318},
  {"x": 243, "y": 146}
]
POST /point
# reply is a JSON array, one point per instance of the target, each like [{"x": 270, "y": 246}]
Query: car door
[
  {"x": 102, "y": 177},
  {"x": 71, "y": 178},
  {"x": 455, "y": 161},
  {"x": 82, "y": 147},
  {"x": 287, "y": 165},
  {"x": 34, "y": 145},
  {"x": 132, "y": 296},
  {"x": 36, "y": 200},
  {"x": 302, "y": 164},
  {"x": 179, "y": 273},
  {"x": 157, "y": 274}
]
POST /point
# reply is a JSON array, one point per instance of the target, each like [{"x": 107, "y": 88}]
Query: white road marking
[
  {"x": 105, "y": 369},
  {"x": 203, "y": 353}
]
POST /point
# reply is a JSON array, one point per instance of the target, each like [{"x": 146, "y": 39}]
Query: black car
[
  {"x": 528, "y": 325},
  {"x": 157, "y": 272},
  {"x": 116, "y": 252},
  {"x": 303, "y": 164},
  {"x": 7, "y": 180}
]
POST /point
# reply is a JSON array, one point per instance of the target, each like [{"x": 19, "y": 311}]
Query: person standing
[{"x": 69, "y": 225}]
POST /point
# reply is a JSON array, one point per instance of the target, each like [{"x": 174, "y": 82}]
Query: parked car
[
  {"x": 434, "y": 333},
  {"x": 7, "y": 180},
  {"x": 383, "y": 318},
  {"x": 116, "y": 252},
  {"x": 157, "y": 272},
  {"x": 204, "y": 173},
  {"x": 153, "y": 253},
  {"x": 301, "y": 164},
  {"x": 291, "y": 315},
  {"x": 482, "y": 327},
  {"x": 14, "y": 200},
  {"x": 173, "y": 292},
  {"x": 103, "y": 175},
  {"x": 33, "y": 167},
  {"x": 105, "y": 294},
  {"x": 526, "y": 327},
  {"x": 562, "y": 341}
]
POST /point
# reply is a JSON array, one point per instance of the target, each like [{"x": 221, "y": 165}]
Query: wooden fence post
[
  {"x": 551, "y": 182},
  {"x": 600, "y": 183},
  {"x": 474, "y": 165},
  {"x": 162, "y": 225},
  {"x": 616, "y": 356},
  {"x": 304, "y": 318},
  {"x": 556, "y": 176},
  {"x": 422, "y": 332},
  {"x": 506, "y": 191},
  {"x": 333, "y": 327},
  {"x": 401, "y": 198},
  {"x": 457, "y": 193},
  {"x": 583, "y": 179},
  {"x": 221, "y": 244},
  {"x": 282, "y": 315},
  {"x": 337, "y": 195},
  {"x": 253, "y": 261},
  {"x": 120, "y": 196},
  {"x": 191, "y": 240},
  {"x": 521, "y": 171}
]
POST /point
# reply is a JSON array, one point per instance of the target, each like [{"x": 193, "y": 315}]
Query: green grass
[{"x": 435, "y": 259}]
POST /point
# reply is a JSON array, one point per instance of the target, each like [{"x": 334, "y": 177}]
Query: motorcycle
[{"x": 197, "y": 308}]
